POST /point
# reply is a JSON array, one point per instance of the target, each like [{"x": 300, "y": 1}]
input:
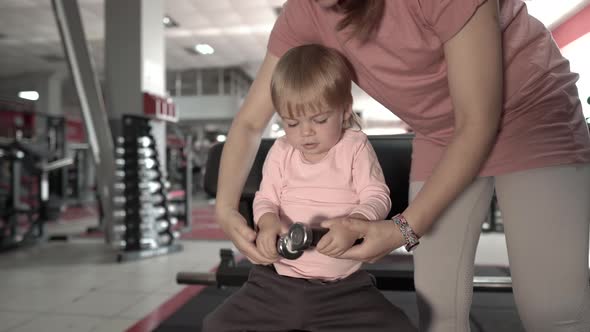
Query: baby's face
[{"x": 314, "y": 133}]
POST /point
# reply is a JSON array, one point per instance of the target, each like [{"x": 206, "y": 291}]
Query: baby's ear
[{"x": 348, "y": 113}]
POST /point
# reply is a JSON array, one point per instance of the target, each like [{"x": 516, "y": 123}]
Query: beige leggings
[{"x": 546, "y": 215}]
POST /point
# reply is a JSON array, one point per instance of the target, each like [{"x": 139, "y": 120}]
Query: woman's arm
[
  {"x": 237, "y": 158},
  {"x": 475, "y": 74}
]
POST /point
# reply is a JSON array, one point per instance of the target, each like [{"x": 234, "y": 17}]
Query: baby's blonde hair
[{"x": 312, "y": 78}]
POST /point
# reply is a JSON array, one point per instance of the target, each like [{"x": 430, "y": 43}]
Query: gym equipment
[
  {"x": 79, "y": 179},
  {"x": 55, "y": 133},
  {"x": 178, "y": 160},
  {"x": 285, "y": 248},
  {"x": 392, "y": 273},
  {"x": 494, "y": 221},
  {"x": 299, "y": 238},
  {"x": 19, "y": 160},
  {"x": 142, "y": 224},
  {"x": 46, "y": 135},
  {"x": 394, "y": 154}
]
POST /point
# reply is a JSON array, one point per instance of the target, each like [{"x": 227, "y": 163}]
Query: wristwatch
[{"x": 407, "y": 232}]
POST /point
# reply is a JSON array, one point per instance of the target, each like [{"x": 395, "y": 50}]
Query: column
[{"x": 135, "y": 60}]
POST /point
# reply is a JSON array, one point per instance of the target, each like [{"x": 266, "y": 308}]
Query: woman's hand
[
  {"x": 269, "y": 229},
  {"x": 337, "y": 241},
  {"x": 380, "y": 238},
  {"x": 235, "y": 227}
]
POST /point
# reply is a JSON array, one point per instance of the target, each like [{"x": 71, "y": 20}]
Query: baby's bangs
[
  {"x": 313, "y": 99},
  {"x": 293, "y": 107}
]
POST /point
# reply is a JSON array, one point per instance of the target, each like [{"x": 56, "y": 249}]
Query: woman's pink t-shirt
[{"x": 403, "y": 67}]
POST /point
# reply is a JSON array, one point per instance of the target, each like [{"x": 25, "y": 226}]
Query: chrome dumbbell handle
[{"x": 299, "y": 238}]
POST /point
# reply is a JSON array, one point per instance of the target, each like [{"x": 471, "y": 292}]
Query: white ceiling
[{"x": 237, "y": 29}]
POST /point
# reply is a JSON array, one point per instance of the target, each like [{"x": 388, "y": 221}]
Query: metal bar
[
  {"x": 132, "y": 255},
  {"x": 56, "y": 164},
  {"x": 188, "y": 182},
  {"x": 394, "y": 273},
  {"x": 78, "y": 146},
  {"x": 67, "y": 15},
  {"x": 196, "y": 278},
  {"x": 492, "y": 282},
  {"x": 16, "y": 183},
  {"x": 389, "y": 280}
]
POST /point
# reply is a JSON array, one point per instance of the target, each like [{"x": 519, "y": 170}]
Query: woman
[{"x": 494, "y": 106}]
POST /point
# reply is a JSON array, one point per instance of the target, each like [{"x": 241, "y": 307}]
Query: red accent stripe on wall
[{"x": 572, "y": 29}]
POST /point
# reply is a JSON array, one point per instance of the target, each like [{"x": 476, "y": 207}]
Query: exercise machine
[
  {"x": 393, "y": 272},
  {"x": 26, "y": 208}
]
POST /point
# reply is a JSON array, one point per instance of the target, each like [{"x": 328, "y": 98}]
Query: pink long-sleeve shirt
[{"x": 347, "y": 180}]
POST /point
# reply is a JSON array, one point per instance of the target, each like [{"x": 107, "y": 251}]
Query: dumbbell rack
[{"x": 142, "y": 224}]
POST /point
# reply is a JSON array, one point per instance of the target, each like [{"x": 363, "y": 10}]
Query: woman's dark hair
[{"x": 362, "y": 16}]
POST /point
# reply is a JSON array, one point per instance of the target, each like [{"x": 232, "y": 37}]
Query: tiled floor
[{"x": 78, "y": 286}]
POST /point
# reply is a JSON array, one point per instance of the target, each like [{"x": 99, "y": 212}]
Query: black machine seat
[
  {"x": 394, "y": 272},
  {"x": 393, "y": 151}
]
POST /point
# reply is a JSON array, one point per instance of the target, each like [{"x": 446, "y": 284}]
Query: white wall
[
  {"x": 578, "y": 53},
  {"x": 207, "y": 107}
]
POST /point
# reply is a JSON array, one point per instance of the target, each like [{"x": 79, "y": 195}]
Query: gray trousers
[
  {"x": 546, "y": 215},
  {"x": 270, "y": 302}
]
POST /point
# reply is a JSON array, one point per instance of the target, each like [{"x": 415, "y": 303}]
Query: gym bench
[{"x": 393, "y": 272}]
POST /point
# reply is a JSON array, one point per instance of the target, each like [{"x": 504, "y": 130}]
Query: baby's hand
[
  {"x": 337, "y": 241},
  {"x": 269, "y": 229}
]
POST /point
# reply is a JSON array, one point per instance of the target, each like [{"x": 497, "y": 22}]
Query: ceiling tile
[{"x": 237, "y": 29}]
